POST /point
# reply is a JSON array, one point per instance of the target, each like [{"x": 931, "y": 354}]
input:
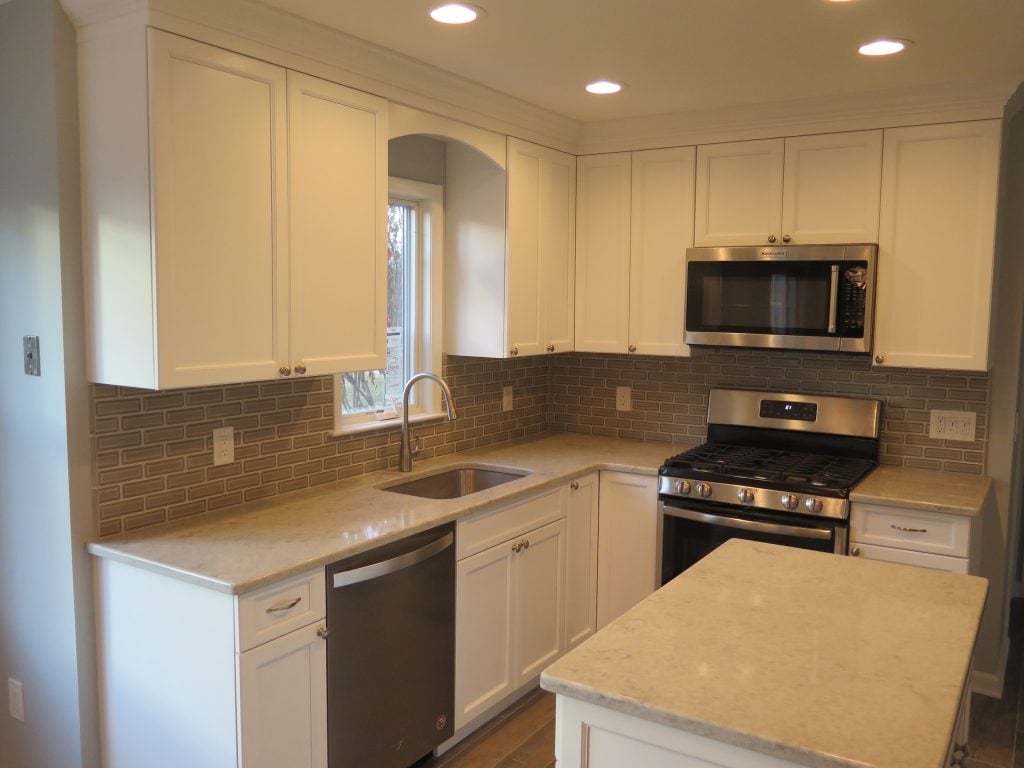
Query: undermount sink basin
[{"x": 456, "y": 483}]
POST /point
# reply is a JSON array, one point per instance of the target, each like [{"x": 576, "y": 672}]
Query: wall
[{"x": 46, "y": 632}]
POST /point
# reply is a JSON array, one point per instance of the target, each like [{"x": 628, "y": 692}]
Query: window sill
[{"x": 380, "y": 426}]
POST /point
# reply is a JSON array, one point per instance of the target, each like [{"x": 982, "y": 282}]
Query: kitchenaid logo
[{"x": 773, "y": 252}]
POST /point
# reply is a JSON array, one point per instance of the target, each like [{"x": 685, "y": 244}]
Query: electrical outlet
[
  {"x": 506, "y": 398},
  {"x": 623, "y": 399},
  {"x": 16, "y": 699},
  {"x": 223, "y": 446},
  {"x": 953, "y": 425}
]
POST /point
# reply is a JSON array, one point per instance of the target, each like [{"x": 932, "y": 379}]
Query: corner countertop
[
  {"x": 815, "y": 659},
  {"x": 256, "y": 544},
  {"x": 948, "y": 492}
]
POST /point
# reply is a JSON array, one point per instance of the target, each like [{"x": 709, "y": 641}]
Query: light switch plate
[
  {"x": 623, "y": 399},
  {"x": 223, "y": 446},
  {"x": 506, "y": 398},
  {"x": 16, "y": 699},
  {"x": 953, "y": 425},
  {"x": 31, "y": 354}
]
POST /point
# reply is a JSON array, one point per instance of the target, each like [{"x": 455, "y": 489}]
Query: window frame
[{"x": 427, "y": 316}]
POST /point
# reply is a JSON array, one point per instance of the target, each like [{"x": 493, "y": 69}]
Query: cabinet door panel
[
  {"x": 524, "y": 249},
  {"x": 910, "y": 557},
  {"x": 581, "y": 560},
  {"x": 283, "y": 702},
  {"x": 627, "y": 542},
  {"x": 832, "y": 187},
  {"x": 936, "y": 245},
  {"x": 661, "y": 231},
  {"x": 338, "y": 165},
  {"x": 557, "y": 250},
  {"x": 739, "y": 193},
  {"x": 483, "y": 628},
  {"x": 602, "y": 253},
  {"x": 539, "y": 599},
  {"x": 218, "y": 129}
]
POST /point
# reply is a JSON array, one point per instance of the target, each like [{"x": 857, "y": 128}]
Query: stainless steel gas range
[{"x": 776, "y": 467}]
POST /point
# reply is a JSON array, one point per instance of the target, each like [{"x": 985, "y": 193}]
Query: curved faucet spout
[{"x": 405, "y": 450}]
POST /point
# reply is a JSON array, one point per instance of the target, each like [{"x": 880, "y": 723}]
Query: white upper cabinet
[
  {"x": 338, "y": 174},
  {"x": 936, "y": 246},
  {"x": 633, "y": 229},
  {"x": 233, "y": 216},
  {"x": 509, "y": 251},
  {"x": 602, "y": 252},
  {"x": 804, "y": 189}
]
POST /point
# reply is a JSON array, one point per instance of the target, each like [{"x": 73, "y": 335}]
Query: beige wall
[{"x": 46, "y": 631}]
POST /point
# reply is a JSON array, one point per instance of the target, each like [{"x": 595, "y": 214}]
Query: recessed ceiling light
[
  {"x": 456, "y": 13},
  {"x": 604, "y": 87},
  {"x": 884, "y": 47}
]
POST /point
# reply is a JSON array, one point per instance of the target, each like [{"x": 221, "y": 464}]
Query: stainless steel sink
[{"x": 456, "y": 483}]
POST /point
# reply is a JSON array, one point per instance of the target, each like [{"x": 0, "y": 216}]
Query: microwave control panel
[{"x": 853, "y": 301}]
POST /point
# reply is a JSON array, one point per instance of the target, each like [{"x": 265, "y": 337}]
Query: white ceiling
[{"x": 686, "y": 55}]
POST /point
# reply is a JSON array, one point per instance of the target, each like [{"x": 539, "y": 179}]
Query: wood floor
[{"x": 523, "y": 736}]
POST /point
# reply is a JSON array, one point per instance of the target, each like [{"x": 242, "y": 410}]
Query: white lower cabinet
[
  {"x": 627, "y": 543},
  {"x": 581, "y": 518},
  {"x": 942, "y": 541}
]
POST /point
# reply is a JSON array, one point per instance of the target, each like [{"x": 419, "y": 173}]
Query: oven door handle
[{"x": 748, "y": 525}]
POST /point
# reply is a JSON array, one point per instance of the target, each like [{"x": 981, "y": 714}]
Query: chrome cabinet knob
[
  {"x": 704, "y": 490},
  {"x": 745, "y": 495},
  {"x": 526, "y": 543},
  {"x": 854, "y": 551},
  {"x": 516, "y": 547},
  {"x": 632, "y": 347},
  {"x": 771, "y": 238},
  {"x": 879, "y": 359},
  {"x": 813, "y": 504},
  {"x": 550, "y": 347},
  {"x": 574, "y": 485},
  {"x": 514, "y": 351},
  {"x": 790, "y": 500},
  {"x": 285, "y": 370},
  {"x": 300, "y": 369},
  {"x": 323, "y": 633},
  {"x": 786, "y": 238}
]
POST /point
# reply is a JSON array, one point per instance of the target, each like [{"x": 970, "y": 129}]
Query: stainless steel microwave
[{"x": 818, "y": 297}]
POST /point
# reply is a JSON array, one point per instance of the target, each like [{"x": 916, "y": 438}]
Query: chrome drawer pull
[
  {"x": 909, "y": 530},
  {"x": 286, "y": 607}
]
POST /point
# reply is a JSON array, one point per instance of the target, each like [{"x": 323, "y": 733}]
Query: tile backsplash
[{"x": 153, "y": 458}]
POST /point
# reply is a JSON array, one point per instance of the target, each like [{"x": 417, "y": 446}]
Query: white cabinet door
[
  {"x": 337, "y": 142},
  {"x": 218, "y": 141},
  {"x": 910, "y": 557},
  {"x": 627, "y": 542},
  {"x": 283, "y": 702},
  {"x": 541, "y": 240},
  {"x": 739, "y": 193},
  {"x": 581, "y": 560},
  {"x": 539, "y": 599},
  {"x": 936, "y": 245},
  {"x": 602, "y": 253},
  {"x": 661, "y": 230},
  {"x": 831, "y": 188},
  {"x": 483, "y": 631}
]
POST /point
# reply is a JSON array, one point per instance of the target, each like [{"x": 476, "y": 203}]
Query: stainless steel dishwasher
[{"x": 391, "y": 652}]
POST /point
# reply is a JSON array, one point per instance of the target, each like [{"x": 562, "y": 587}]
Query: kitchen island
[{"x": 761, "y": 655}]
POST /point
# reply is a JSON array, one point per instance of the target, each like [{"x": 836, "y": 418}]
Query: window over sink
[{"x": 366, "y": 400}]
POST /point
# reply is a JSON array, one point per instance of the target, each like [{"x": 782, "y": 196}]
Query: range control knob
[
  {"x": 704, "y": 490},
  {"x": 813, "y": 505},
  {"x": 790, "y": 500},
  {"x": 683, "y": 487},
  {"x": 745, "y": 495}
]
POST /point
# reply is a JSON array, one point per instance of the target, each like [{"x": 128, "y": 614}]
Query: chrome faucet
[{"x": 405, "y": 450}]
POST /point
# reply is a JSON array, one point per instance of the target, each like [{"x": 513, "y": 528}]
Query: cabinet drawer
[
  {"x": 921, "y": 531},
  {"x": 486, "y": 529},
  {"x": 276, "y": 610},
  {"x": 909, "y": 557}
]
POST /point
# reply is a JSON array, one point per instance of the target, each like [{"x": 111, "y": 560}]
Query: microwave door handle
[
  {"x": 748, "y": 525},
  {"x": 833, "y": 298}
]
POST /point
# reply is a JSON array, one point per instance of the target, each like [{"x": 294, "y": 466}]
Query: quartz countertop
[
  {"x": 256, "y": 544},
  {"x": 812, "y": 658},
  {"x": 950, "y": 492}
]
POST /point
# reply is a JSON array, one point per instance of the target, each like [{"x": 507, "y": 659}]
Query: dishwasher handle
[{"x": 393, "y": 564}]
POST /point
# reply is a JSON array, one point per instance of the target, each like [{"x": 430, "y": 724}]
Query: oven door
[{"x": 690, "y": 530}]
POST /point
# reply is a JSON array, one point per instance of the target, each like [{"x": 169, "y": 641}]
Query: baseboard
[{"x": 991, "y": 683}]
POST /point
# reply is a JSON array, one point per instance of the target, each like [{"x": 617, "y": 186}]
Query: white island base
[{"x": 769, "y": 656}]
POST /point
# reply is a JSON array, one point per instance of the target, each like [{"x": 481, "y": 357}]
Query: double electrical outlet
[{"x": 953, "y": 425}]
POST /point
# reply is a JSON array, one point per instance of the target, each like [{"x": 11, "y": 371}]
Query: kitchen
[{"x": 564, "y": 386}]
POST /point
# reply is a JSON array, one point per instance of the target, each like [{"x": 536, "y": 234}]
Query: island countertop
[
  {"x": 815, "y": 659},
  {"x": 255, "y": 544}
]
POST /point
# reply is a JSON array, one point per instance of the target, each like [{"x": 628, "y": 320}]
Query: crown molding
[{"x": 862, "y": 111}]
